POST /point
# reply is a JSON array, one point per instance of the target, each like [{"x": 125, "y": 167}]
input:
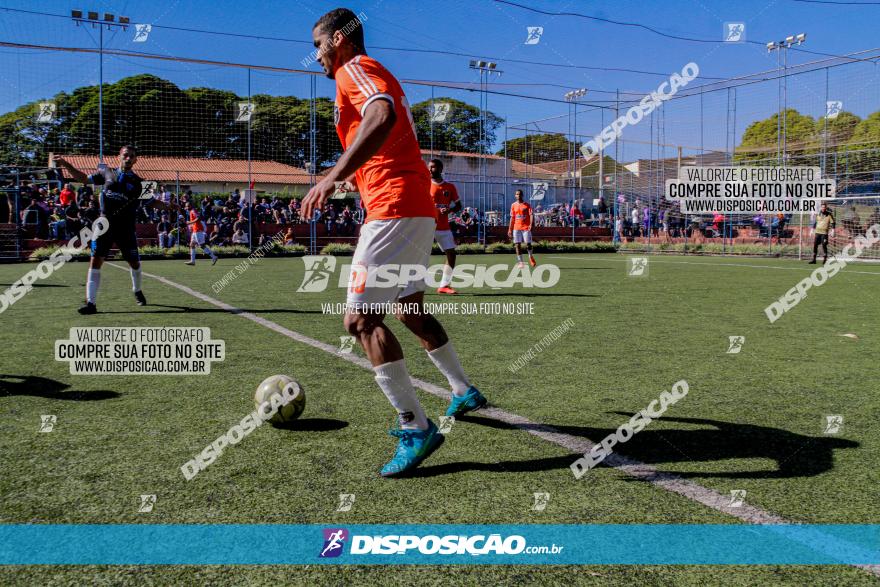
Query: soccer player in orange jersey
[
  {"x": 376, "y": 129},
  {"x": 445, "y": 200},
  {"x": 521, "y": 227},
  {"x": 197, "y": 238}
]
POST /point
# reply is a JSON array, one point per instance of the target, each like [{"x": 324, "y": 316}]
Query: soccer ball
[{"x": 290, "y": 394}]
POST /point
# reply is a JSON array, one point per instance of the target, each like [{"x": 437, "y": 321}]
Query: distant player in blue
[{"x": 119, "y": 200}]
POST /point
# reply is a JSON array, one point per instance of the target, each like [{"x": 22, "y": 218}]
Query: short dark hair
[
  {"x": 129, "y": 147},
  {"x": 343, "y": 18},
  {"x": 438, "y": 163}
]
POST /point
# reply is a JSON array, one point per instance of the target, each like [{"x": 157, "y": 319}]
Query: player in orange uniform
[
  {"x": 376, "y": 129},
  {"x": 445, "y": 200},
  {"x": 197, "y": 238},
  {"x": 521, "y": 227}
]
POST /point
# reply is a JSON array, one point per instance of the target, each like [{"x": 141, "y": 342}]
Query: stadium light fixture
[
  {"x": 770, "y": 46},
  {"x": 109, "y": 21},
  {"x": 575, "y": 94},
  {"x": 487, "y": 66}
]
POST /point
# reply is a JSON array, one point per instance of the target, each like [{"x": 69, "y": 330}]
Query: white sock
[
  {"x": 208, "y": 251},
  {"x": 394, "y": 380},
  {"x": 447, "y": 276},
  {"x": 446, "y": 359},
  {"x": 531, "y": 256},
  {"x": 519, "y": 258},
  {"x": 137, "y": 276},
  {"x": 92, "y": 282},
  {"x": 192, "y": 255}
]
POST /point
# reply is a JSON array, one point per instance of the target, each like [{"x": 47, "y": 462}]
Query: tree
[
  {"x": 839, "y": 130},
  {"x": 861, "y": 152},
  {"x": 760, "y": 139},
  {"x": 867, "y": 131},
  {"x": 163, "y": 120},
  {"x": 460, "y": 131},
  {"x": 540, "y": 148}
]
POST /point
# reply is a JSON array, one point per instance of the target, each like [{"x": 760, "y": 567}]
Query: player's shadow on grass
[
  {"x": 29, "y": 385},
  {"x": 796, "y": 455},
  {"x": 38, "y": 285},
  {"x": 312, "y": 425},
  {"x": 172, "y": 309}
]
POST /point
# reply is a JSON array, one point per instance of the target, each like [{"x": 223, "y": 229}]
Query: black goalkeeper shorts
[{"x": 124, "y": 238}]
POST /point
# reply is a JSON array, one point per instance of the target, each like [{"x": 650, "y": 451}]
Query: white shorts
[
  {"x": 445, "y": 239},
  {"x": 399, "y": 241},
  {"x": 197, "y": 238},
  {"x": 522, "y": 236}
]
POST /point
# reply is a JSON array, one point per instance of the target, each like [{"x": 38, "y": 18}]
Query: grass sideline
[
  {"x": 751, "y": 421},
  {"x": 541, "y": 247}
]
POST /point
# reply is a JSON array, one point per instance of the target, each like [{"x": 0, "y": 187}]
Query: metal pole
[
  {"x": 825, "y": 130},
  {"x": 616, "y": 159},
  {"x": 778, "y": 108},
  {"x": 101, "y": 94},
  {"x": 785, "y": 106},
  {"x": 177, "y": 213},
  {"x": 17, "y": 212},
  {"x": 250, "y": 181},
  {"x": 601, "y": 172},
  {"x": 504, "y": 218},
  {"x": 481, "y": 210},
  {"x": 313, "y": 131},
  {"x": 431, "y": 120},
  {"x": 571, "y": 165}
]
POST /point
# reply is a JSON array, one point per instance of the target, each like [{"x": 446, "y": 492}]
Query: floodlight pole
[
  {"x": 485, "y": 68},
  {"x": 572, "y": 98},
  {"x": 108, "y": 21},
  {"x": 781, "y": 48}
]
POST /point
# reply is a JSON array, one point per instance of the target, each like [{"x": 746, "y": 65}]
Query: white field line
[
  {"x": 654, "y": 259},
  {"x": 684, "y": 487}
]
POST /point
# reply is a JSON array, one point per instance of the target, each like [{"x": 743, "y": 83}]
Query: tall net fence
[
  {"x": 823, "y": 115},
  {"x": 209, "y": 126}
]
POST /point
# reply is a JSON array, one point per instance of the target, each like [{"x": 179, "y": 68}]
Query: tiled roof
[
  {"x": 438, "y": 153},
  {"x": 192, "y": 170},
  {"x": 520, "y": 168}
]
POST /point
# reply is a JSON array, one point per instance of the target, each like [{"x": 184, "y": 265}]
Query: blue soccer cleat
[
  {"x": 471, "y": 400},
  {"x": 413, "y": 447}
]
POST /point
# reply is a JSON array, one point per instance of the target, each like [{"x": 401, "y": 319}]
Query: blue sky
[{"x": 480, "y": 28}]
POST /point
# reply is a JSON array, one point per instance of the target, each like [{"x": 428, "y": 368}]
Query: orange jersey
[
  {"x": 197, "y": 225},
  {"x": 521, "y": 213},
  {"x": 444, "y": 194},
  {"x": 394, "y": 183}
]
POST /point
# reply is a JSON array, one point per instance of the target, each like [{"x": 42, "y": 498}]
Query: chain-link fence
[{"x": 212, "y": 128}]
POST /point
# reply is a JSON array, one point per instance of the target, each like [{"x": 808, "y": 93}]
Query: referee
[{"x": 824, "y": 224}]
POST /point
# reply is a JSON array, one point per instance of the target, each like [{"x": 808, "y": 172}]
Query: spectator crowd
[{"x": 59, "y": 213}]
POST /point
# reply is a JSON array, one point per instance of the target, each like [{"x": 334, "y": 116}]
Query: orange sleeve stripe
[{"x": 364, "y": 83}]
